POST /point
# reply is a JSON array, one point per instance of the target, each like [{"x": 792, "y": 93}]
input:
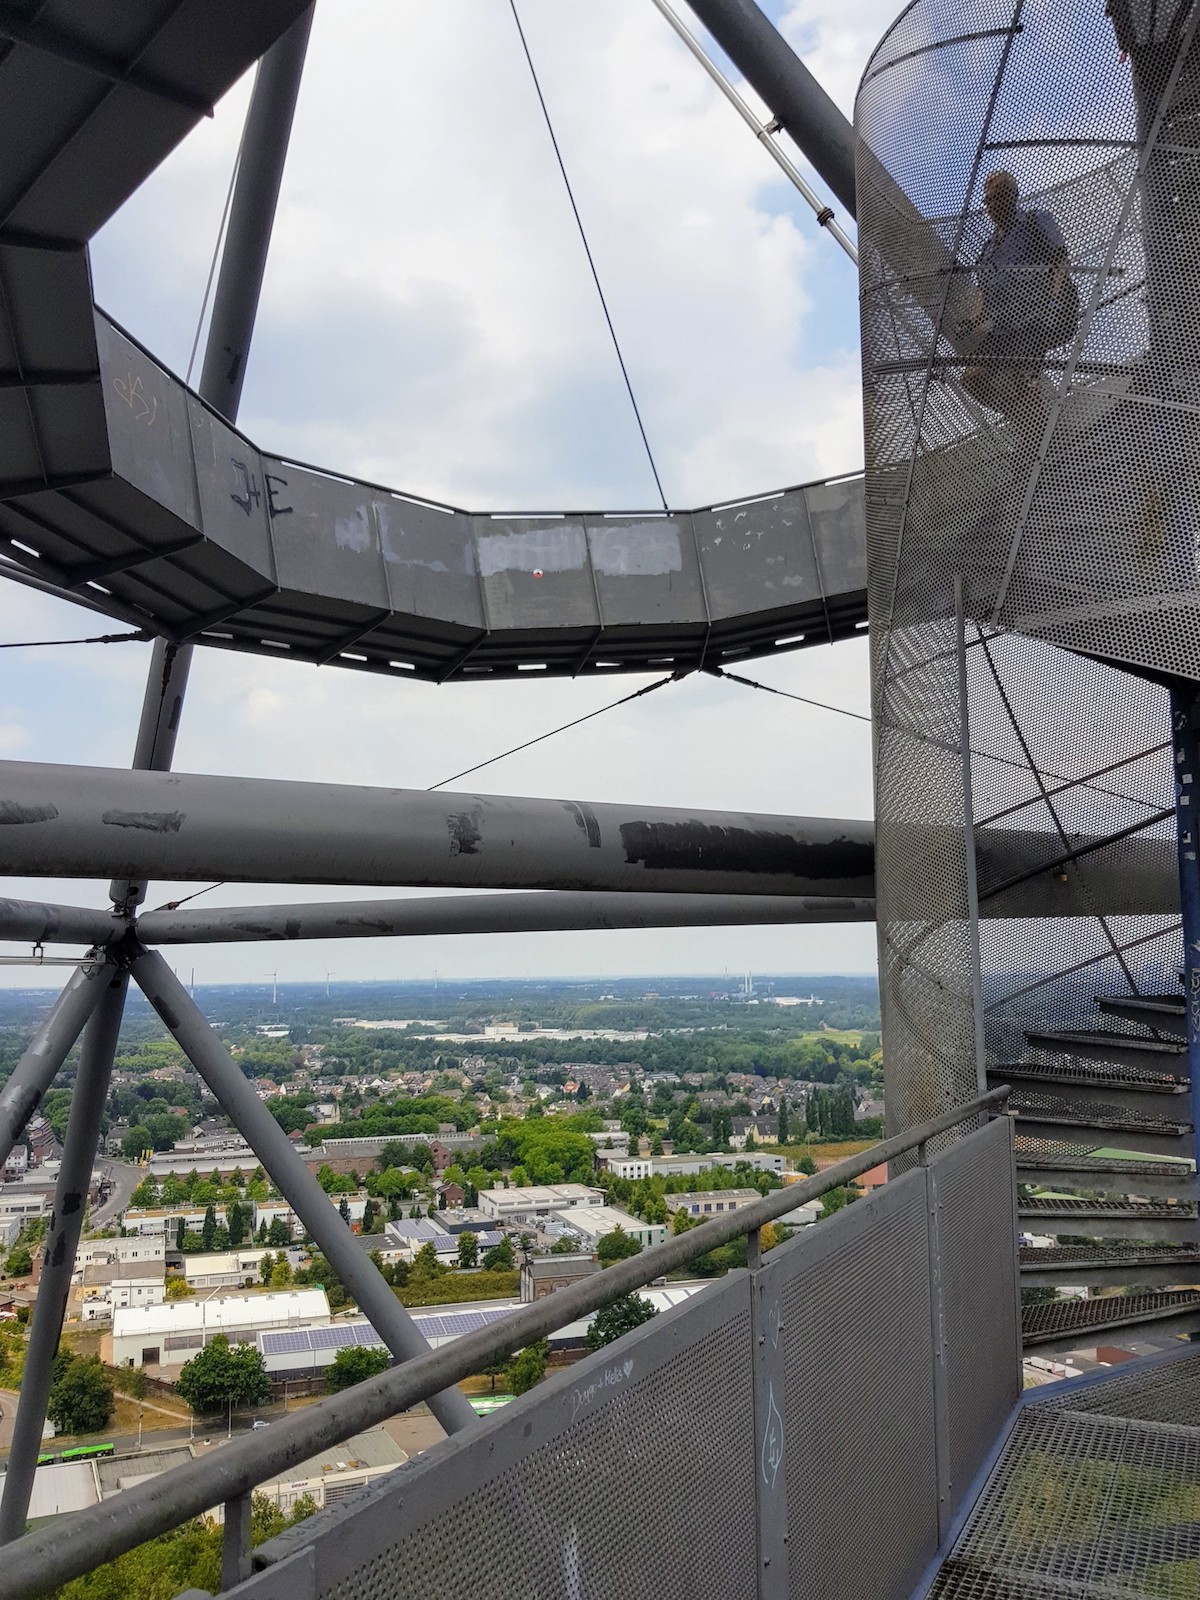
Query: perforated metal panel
[
  {"x": 976, "y": 1254},
  {"x": 853, "y": 1298},
  {"x": 645, "y": 1448},
  {"x": 780, "y": 1436},
  {"x": 1044, "y": 463}
]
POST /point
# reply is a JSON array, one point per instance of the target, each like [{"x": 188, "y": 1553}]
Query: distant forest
[{"x": 720, "y": 1032}]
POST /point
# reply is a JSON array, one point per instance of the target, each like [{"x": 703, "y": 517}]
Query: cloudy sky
[{"x": 428, "y": 321}]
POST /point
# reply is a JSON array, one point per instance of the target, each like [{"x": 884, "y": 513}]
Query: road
[{"x": 125, "y": 1180}]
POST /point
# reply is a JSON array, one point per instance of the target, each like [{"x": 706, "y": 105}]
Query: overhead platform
[{"x": 118, "y": 484}]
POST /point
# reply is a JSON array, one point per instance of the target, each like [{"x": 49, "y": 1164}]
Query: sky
[{"x": 428, "y": 321}]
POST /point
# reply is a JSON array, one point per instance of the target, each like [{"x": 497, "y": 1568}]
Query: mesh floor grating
[
  {"x": 1098, "y": 1074},
  {"x": 1097, "y": 1493},
  {"x": 1099, "y": 1114},
  {"x": 1107, "y": 1255},
  {"x": 1118, "y": 1043},
  {"x": 1151, "y": 1210},
  {"x": 1063, "y": 1319},
  {"x": 1044, "y": 1153}
]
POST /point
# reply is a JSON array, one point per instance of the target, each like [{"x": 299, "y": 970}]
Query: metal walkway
[
  {"x": 122, "y": 488},
  {"x": 1094, "y": 1494}
]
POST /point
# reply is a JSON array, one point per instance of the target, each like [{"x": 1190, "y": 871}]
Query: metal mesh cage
[{"x": 1027, "y": 214}]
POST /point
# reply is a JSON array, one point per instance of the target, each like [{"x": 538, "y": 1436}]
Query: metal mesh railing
[
  {"x": 1027, "y": 212},
  {"x": 739, "y": 1431}
]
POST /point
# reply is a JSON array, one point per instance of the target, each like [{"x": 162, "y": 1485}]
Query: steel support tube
[
  {"x": 489, "y": 913},
  {"x": 47, "y": 1050},
  {"x": 76, "y": 821},
  {"x": 251, "y": 217},
  {"x": 51, "y": 924},
  {"x": 764, "y": 135},
  {"x": 291, "y": 1177},
  {"x": 62, "y": 1240},
  {"x": 46, "y": 1560},
  {"x": 769, "y": 64}
]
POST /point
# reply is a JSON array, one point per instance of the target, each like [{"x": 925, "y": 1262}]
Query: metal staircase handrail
[{"x": 68, "y": 1547}]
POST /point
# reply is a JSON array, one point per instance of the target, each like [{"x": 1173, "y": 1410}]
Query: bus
[{"x": 88, "y": 1452}]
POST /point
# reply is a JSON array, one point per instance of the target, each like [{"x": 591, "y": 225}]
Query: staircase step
[
  {"x": 1098, "y": 1265},
  {"x": 1148, "y": 1094},
  {"x": 1060, "y": 1321},
  {"x": 1164, "y": 1012},
  {"x": 1158, "y": 1220},
  {"x": 1061, "y": 1166},
  {"x": 1098, "y": 1044},
  {"x": 1049, "y": 1116}
]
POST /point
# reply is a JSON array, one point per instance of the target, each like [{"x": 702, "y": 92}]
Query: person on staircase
[{"x": 1026, "y": 304}]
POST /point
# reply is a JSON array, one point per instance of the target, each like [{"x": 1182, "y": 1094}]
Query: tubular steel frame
[{"x": 93, "y": 1001}]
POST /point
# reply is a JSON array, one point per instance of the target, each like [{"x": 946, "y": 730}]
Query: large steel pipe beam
[
  {"x": 47, "y": 1050},
  {"x": 78, "y": 821},
  {"x": 50, "y": 924},
  {"x": 291, "y": 1177},
  {"x": 489, "y": 913}
]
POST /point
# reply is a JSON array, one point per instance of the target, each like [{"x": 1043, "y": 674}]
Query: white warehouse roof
[{"x": 285, "y": 1308}]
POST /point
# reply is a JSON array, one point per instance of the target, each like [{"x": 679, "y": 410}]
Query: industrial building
[
  {"x": 538, "y": 1200},
  {"x": 167, "y": 1335}
]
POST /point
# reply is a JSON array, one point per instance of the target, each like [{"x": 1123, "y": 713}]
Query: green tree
[
  {"x": 616, "y": 1246},
  {"x": 656, "y": 1144},
  {"x": 237, "y": 1225},
  {"x": 425, "y": 1262},
  {"x": 528, "y": 1366},
  {"x": 781, "y": 1123},
  {"x": 136, "y": 1142},
  {"x": 344, "y": 1210},
  {"x": 180, "y": 1230},
  {"x": 278, "y": 1234},
  {"x": 178, "y": 1288},
  {"x": 468, "y": 1250},
  {"x": 18, "y": 1263},
  {"x": 81, "y": 1394},
  {"x": 370, "y": 1212},
  {"x": 266, "y": 1266},
  {"x": 281, "y": 1273},
  {"x": 834, "y": 1199},
  {"x": 353, "y": 1366},
  {"x": 499, "y": 1258},
  {"x": 222, "y": 1376},
  {"x": 621, "y": 1317},
  {"x": 208, "y": 1230}
]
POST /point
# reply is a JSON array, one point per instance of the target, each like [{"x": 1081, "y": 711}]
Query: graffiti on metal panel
[
  {"x": 772, "y": 1445},
  {"x": 774, "y": 1325},
  {"x": 251, "y": 494},
  {"x": 144, "y": 408},
  {"x": 274, "y": 485},
  {"x": 610, "y": 1378}
]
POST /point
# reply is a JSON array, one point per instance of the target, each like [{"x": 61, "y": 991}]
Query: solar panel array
[{"x": 345, "y": 1335}]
